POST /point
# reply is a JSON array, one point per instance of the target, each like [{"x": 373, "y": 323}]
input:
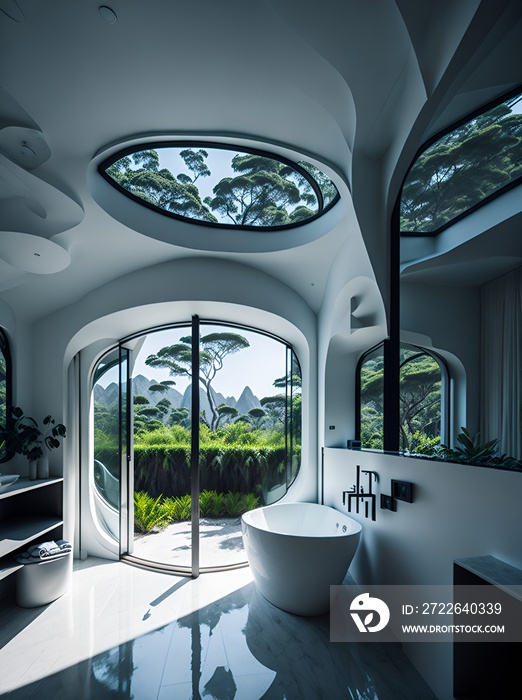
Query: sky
[
  {"x": 219, "y": 162},
  {"x": 256, "y": 366}
]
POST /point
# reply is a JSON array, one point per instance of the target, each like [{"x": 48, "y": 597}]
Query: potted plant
[{"x": 23, "y": 436}]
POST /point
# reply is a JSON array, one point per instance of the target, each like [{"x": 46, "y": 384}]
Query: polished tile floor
[
  {"x": 123, "y": 632},
  {"x": 220, "y": 543}
]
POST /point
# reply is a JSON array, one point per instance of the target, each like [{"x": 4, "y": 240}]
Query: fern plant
[
  {"x": 149, "y": 512},
  {"x": 234, "y": 504}
]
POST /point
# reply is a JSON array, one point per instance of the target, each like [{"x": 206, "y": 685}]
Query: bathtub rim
[{"x": 356, "y": 525}]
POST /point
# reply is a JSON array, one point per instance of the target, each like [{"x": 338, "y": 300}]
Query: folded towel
[
  {"x": 64, "y": 545},
  {"x": 24, "y": 556},
  {"x": 44, "y": 550}
]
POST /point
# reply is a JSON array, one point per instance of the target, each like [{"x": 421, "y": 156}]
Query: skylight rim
[
  {"x": 167, "y": 142},
  {"x": 488, "y": 106}
]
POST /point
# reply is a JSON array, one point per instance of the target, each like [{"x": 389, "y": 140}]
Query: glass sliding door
[
  {"x": 199, "y": 425},
  {"x": 125, "y": 453},
  {"x": 165, "y": 449},
  {"x": 112, "y": 447}
]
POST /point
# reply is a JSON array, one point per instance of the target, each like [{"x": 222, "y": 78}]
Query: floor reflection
[
  {"x": 237, "y": 648},
  {"x": 221, "y": 543}
]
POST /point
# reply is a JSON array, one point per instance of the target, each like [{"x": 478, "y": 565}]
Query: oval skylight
[
  {"x": 221, "y": 186},
  {"x": 464, "y": 169}
]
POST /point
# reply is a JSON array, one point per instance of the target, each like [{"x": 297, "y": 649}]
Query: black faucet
[{"x": 357, "y": 493}]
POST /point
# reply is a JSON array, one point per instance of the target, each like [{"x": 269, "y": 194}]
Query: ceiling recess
[{"x": 107, "y": 14}]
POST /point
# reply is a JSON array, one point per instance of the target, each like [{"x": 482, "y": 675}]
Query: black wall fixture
[
  {"x": 387, "y": 502},
  {"x": 402, "y": 490}
]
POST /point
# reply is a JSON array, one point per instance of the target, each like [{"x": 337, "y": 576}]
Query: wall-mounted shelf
[
  {"x": 29, "y": 510},
  {"x": 23, "y": 485}
]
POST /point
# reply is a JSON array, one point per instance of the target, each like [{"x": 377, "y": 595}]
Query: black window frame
[
  {"x": 445, "y": 390},
  {"x": 166, "y": 143},
  {"x": 441, "y": 134}
]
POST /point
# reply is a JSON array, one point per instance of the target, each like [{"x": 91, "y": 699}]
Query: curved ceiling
[{"x": 356, "y": 87}]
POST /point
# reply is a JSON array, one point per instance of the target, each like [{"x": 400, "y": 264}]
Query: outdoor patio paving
[{"x": 221, "y": 543}]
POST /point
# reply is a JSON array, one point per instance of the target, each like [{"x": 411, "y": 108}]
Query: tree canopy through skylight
[
  {"x": 223, "y": 187},
  {"x": 464, "y": 168}
]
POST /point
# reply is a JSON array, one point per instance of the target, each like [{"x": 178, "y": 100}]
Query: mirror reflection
[{"x": 461, "y": 282}]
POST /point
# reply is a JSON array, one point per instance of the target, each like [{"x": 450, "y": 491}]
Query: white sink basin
[{"x": 7, "y": 479}]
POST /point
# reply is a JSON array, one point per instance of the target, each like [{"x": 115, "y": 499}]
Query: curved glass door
[
  {"x": 215, "y": 431},
  {"x": 112, "y": 478}
]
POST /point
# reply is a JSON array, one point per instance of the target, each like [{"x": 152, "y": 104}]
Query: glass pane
[
  {"x": 463, "y": 168},
  {"x": 125, "y": 454},
  {"x": 250, "y": 435},
  {"x": 243, "y": 451},
  {"x": 5, "y": 390},
  {"x": 107, "y": 444},
  {"x": 222, "y": 186},
  {"x": 372, "y": 400},
  {"x": 420, "y": 400},
  {"x": 293, "y": 429},
  {"x": 161, "y": 381},
  {"x": 328, "y": 189}
]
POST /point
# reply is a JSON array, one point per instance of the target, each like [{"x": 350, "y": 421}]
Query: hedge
[{"x": 164, "y": 470}]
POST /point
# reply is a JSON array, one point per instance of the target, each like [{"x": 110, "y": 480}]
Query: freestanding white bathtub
[{"x": 296, "y": 551}]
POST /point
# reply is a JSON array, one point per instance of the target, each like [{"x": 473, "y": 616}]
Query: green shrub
[
  {"x": 211, "y": 504},
  {"x": 149, "y": 512},
  {"x": 165, "y": 469},
  {"x": 250, "y": 501},
  {"x": 179, "y": 508},
  {"x": 234, "y": 504}
]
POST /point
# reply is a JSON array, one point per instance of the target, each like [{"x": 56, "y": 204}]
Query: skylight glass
[
  {"x": 221, "y": 186},
  {"x": 464, "y": 169}
]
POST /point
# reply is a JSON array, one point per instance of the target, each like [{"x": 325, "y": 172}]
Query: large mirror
[{"x": 461, "y": 281}]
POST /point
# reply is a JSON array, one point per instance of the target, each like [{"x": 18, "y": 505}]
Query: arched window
[{"x": 423, "y": 399}]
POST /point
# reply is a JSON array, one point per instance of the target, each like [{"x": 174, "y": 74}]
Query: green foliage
[
  {"x": 179, "y": 508},
  {"x": 261, "y": 192},
  {"x": 371, "y": 428},
  {"x": 165, "y": 469},
  {"x": 180, "y": 416},
  {"x": 211, "y": 504},
  {"x": 214, "y": 347},
  {"x": 275, "y": 408},
  {"x": 424, "y": 444},
  {"x": 140, "y": 174},
  {"x": 156, "y": 513},
  {"x": 234, "y": 504},
  {"x": 463, "y": 168},
  {"x": 164, "y": 436},
  {"x": 419, "y": 395},
  {"x": 469, "y": 450},
  {"x": 225, "y": 413},
  {"x": 149, "y": 512}
]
